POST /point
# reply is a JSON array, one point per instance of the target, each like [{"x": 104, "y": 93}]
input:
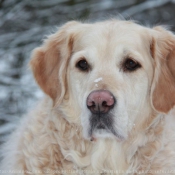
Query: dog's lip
[
  {"x": 118, "y": 137},
  {"x": 93, "y": 139}
]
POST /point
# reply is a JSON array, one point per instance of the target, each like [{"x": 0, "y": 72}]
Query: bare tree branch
[{"x": 144, "y": 6}]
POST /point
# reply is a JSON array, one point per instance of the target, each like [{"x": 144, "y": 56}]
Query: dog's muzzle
[{"x": 102, "y": 118}]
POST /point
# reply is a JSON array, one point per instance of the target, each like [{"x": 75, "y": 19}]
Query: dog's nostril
[
  {"x": 93, "y": 104},
  {"x": 104, "y": 103}
]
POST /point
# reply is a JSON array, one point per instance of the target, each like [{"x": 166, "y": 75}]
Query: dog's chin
[
  {"x": 103, "y": 134},
  {"x": 102, "y": 126}
]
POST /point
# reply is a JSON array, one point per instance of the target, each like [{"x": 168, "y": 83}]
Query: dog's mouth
[{"x": 102, "y": 126}]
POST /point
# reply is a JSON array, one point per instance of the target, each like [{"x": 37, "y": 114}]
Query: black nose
[{"x": 100, "y": 101}]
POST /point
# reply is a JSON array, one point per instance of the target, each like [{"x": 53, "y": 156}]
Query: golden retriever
[{"x": 110, "y": 93}]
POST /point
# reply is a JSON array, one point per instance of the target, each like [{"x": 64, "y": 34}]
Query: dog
[{"x": 108, "y": 108}]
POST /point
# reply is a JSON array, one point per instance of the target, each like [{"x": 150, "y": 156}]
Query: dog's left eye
[
  {"x": 130, "y": 65},
  {"x": 82, "y": 65}
]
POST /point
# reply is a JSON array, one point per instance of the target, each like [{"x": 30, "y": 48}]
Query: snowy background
[{"x": 23, "y": 25}]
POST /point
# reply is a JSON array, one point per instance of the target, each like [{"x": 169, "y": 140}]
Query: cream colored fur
[{"x": 53, "y": 138}]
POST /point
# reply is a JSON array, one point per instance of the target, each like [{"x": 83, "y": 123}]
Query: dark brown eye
[
  {"x": 82, "y": 65},
  {"x": 131, "y": 65}
]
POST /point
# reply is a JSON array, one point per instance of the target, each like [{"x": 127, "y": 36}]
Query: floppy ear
[
  {"x": 163, "y": 86},
  {"x": 49, "y": 62}
]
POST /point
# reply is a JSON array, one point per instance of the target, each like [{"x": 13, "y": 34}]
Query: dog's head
[{"x": 107, "y": 76}]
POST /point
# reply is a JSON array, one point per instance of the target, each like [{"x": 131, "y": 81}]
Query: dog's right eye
[{"x": 82, "y": 65}]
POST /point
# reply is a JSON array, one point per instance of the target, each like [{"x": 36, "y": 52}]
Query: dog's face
[
  {"x": 110, "y": 74},
  {"x": 107, "y": 75}
]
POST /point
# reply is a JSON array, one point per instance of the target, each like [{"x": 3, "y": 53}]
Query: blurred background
[{"x": 23, "y": 25}]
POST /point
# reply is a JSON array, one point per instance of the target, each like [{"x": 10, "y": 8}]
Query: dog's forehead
[{"x": 112, "y": 36}]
